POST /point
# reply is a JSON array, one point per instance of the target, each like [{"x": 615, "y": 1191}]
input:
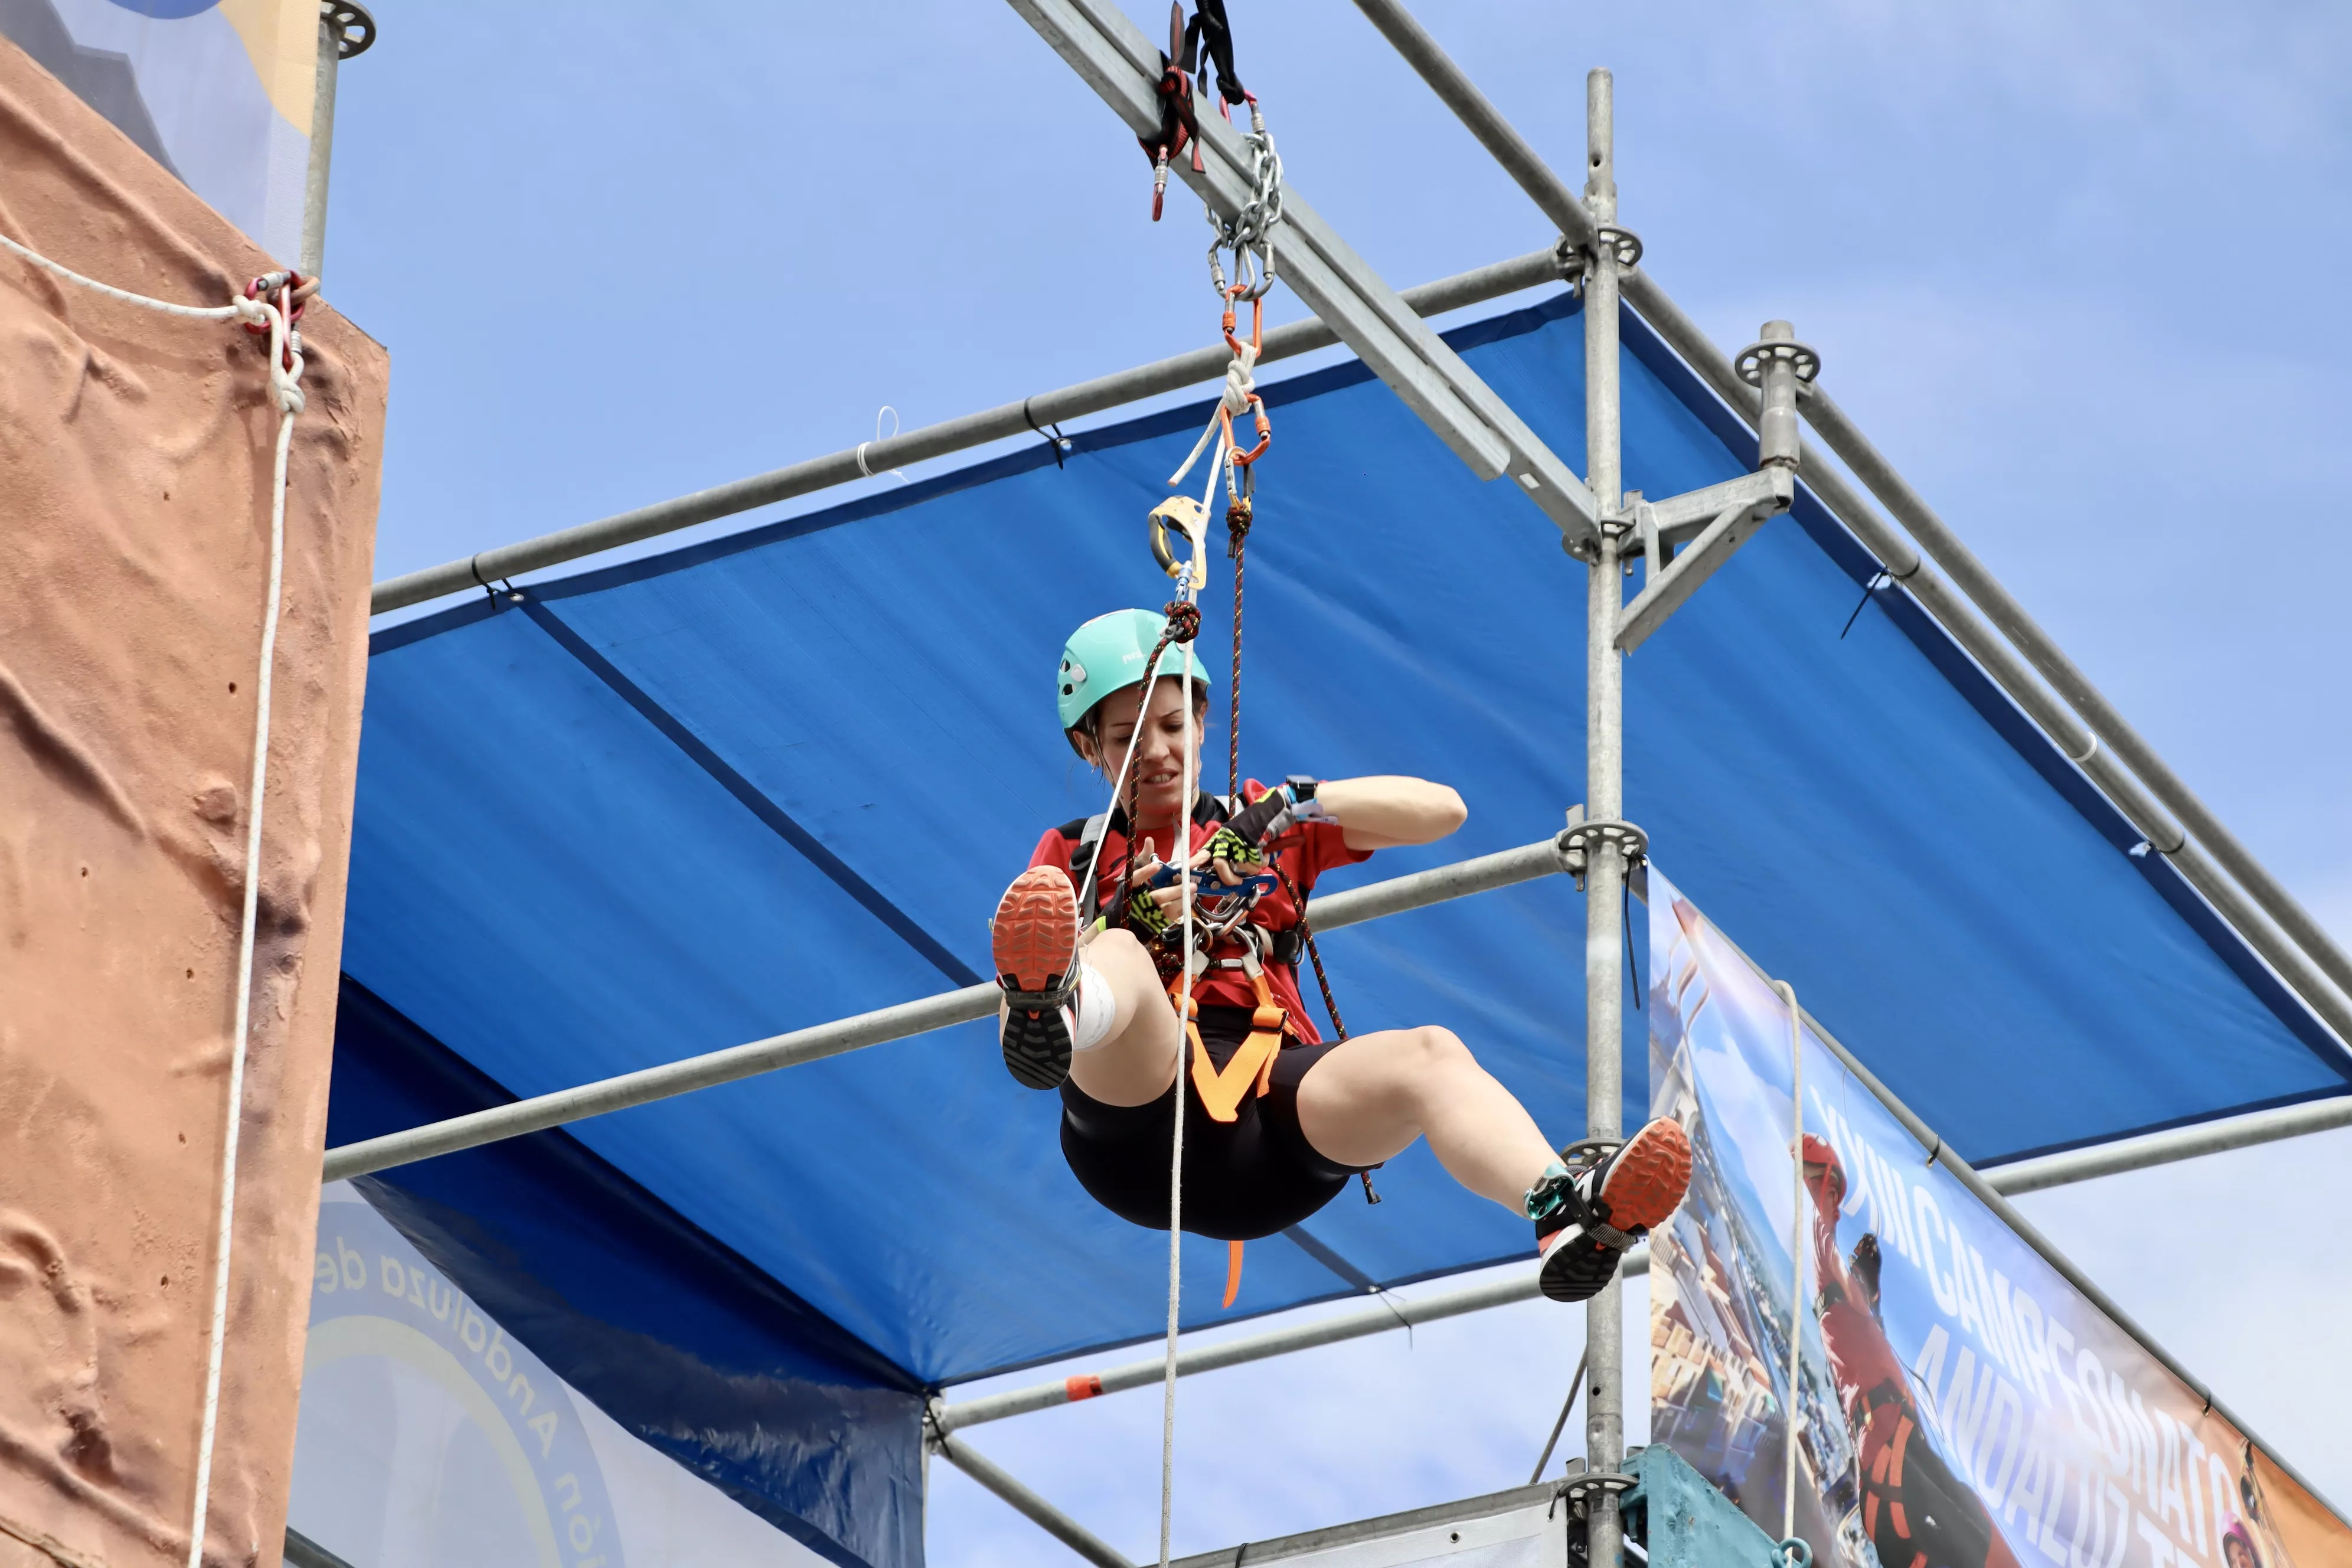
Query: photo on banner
[
  {"x": 217, "y": 91},
  {"x": 1959, "y": 1405}
]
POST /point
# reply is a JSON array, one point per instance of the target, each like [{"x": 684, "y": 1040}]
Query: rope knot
[
  {"x": 1237, "y": 524},
  {"x": 1184, "y": 620},
  {"x": 1241, "y": 379}
]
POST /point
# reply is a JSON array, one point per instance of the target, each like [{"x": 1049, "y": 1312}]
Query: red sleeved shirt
[{"x": 1304, "y": 853}]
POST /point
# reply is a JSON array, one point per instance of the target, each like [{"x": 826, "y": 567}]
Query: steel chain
[{"x": 1250, "y": 234}]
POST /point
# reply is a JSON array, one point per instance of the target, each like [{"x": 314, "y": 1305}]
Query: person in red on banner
[
  {"x": 1088, "y": 948},
  {"x": 1917, "y": 1514}
]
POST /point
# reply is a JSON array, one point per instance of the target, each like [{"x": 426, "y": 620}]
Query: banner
[
  {"x": 428, "y": 1435},
  {"x": 217, "y": 91},
  {"x": 1960, "y": 1403}
]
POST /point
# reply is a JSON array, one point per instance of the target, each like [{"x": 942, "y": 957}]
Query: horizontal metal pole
[
  {"x": 1023, "y": 418},
  {"x": 2068, "y": 680},
  {"x": 822, "y": 1040},
  {"x": 663, "y": 1082},
  {"x": 2151, "y": 1148},
  {"x": 1035, "y": 1509},
  {"x": 1418, "y": 889},
  {"x": 2296, "y": 946},
  {"x": 1396, "y": 1311},
  {"x": 1390, "y": 1311}
]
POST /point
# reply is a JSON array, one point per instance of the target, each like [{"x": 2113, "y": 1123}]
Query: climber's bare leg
[{"x": 1369, "y": 1098}]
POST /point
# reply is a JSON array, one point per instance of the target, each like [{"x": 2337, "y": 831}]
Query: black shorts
[{"x": 1243, "y": 1179}]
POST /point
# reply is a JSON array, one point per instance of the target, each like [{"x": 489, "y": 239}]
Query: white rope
[
  {"x": 1796, "y": 1252},
  {"x": 240, "y": 310},
  {"x": 1190, "y": 775},
  {"x": 285, "y": 379},
  {"x": 1240, "y": 382}
]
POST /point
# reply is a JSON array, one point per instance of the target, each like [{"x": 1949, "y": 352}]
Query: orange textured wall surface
[{"x": 135, "y": 466}]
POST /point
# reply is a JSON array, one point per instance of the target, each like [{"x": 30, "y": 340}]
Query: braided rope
[{"x": 1237, "y": 527}]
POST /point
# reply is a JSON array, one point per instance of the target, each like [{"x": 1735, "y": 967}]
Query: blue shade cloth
[
  {"x": 760, "y": 783},
  {"x": 684, "y": 1343}
]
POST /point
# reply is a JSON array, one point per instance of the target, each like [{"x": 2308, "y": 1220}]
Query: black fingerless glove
[{"x": 1271, "y": 815}]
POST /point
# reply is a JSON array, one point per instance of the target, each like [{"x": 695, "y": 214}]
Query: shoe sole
[
  {"x": 1576, "y": 1268},
  {"x": 1032, "y": 941},
  {"x": 1648, "y": 1177},
  {"x": 1646, "y": 1180}
]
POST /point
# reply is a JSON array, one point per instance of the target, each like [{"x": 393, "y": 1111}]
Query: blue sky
[{"x": 2075, "y": 267}]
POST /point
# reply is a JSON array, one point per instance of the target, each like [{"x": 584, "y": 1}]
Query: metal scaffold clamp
[{"x": 1579, "y": 839}]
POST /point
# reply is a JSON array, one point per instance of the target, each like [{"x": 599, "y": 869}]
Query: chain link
[{"x": 1250, "y": 234}]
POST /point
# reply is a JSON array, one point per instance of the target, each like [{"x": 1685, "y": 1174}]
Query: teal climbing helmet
[{"x": 1107, "y": 655}]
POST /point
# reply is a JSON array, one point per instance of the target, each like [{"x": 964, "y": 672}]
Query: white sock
[{"x": 1092, "y": 1011}]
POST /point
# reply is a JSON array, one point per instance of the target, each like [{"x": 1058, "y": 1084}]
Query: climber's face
[{"x": 1157, "y": 773}]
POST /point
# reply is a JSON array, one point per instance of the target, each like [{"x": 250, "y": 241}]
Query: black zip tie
[
  {"x": 1877, "y": 580},
  {"x": 1059, "y": 442},
  {"x": 1625, "y": 902}
]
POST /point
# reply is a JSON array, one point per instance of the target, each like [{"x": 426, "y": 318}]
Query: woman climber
[{"x": 1275, "y": 1119}]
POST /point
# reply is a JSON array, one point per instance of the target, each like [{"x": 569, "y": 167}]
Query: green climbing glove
[
  {"x": 1233, "y": 849},
  {"x": 1144, "y": 914}
]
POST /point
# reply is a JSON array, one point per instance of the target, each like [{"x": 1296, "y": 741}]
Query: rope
[
  {"x": 1796, "y": 1252},
  {"x": 1237, "y": 527},
  {"x": 1188, "y": 586},
  {"x": 257, "y": 314}
]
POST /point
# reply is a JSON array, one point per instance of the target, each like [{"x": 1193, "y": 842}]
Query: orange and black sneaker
[
  {"x": 1586, "y": 1219},
  {"x": 1034, "y": 947}
]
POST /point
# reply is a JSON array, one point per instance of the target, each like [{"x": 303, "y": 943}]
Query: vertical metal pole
[
  {"x": 323, "y": 148},
  {"x": 1604, "y": 1410}
]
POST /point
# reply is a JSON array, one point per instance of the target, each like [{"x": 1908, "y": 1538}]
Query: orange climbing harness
[
  {"x": 1250, "y": 1068},
  {"x": 1222, "y": 1092}
]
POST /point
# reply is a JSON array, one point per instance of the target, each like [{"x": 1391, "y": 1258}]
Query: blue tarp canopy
[{"x": 760, "y": 783}]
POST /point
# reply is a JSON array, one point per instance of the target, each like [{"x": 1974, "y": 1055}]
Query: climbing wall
[{"x": 135, "y": 484}]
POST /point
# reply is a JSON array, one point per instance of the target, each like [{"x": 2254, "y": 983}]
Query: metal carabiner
[{"x": 1185, "y": 515}]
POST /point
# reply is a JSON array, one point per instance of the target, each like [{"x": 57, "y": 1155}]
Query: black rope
[
  {"x": 1877, "y": 580},
  {"x": 1237, "y": 527}
]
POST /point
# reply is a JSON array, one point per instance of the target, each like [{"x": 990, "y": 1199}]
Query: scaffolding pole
[
  {"x": 1604, "y": 787},
  {"x": 2306, "y": 958},
  {"x": 1035, "y": 416},
  {"x": 1391, "y": 1313},
  {"x": 1352, "y": 906},
  {"x": 1027, "y": 1503}
]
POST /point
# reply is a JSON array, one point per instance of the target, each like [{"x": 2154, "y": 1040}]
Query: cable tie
[
  {"x": 1057, "y": 441},
  {"x": 878, "y": 436}
]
